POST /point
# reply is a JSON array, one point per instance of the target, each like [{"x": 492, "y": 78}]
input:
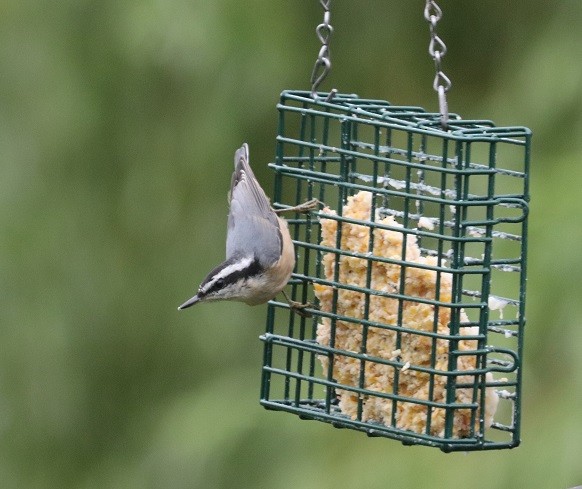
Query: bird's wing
[{"x": 253, "y": 226}]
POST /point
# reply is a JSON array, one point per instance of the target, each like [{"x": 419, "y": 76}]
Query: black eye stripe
[{"x": 252, "y": 269}]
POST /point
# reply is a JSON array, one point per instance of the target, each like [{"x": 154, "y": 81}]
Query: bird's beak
[{"x": 190, "y": 302}]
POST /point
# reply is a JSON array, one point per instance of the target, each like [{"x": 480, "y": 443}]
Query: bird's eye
[{"x": 219, "y": 283}]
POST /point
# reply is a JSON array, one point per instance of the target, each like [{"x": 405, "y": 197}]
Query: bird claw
[
  {"x": 299, "y": 308},
  {"x": 304, "y": 208}
]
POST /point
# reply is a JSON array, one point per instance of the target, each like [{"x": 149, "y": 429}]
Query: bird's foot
[
  {"x": 304, "y": 208},
  {"x": 298, "y": 307}
]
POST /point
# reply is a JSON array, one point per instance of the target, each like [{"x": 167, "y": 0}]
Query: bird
[{"x": 260, "y": 256}]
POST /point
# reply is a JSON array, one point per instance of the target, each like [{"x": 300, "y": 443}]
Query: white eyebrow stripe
[{"x": 226, "y": 271}]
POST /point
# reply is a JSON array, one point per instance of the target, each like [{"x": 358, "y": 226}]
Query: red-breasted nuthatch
[{"x": 259, "y": 252}]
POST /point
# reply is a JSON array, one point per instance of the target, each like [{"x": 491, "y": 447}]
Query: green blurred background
[{"x": 118, "y": 122}]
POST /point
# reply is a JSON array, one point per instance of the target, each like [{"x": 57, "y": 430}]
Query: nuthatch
[{"x": 259, "y": 252}]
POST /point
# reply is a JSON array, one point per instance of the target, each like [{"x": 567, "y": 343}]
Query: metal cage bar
[{"x": 454, "y": 204}]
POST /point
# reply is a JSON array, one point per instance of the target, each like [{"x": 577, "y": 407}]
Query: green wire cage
[{"x": 415, "y": 270}]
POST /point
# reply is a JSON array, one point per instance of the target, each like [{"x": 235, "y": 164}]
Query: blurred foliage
[{"x": 118, "y": 121}]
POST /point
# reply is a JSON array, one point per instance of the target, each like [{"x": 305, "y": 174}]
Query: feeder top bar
[{"x": 415, "y": 119}]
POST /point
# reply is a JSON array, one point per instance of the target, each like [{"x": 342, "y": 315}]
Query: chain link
[
  {"x": 322, "y": 64},
  {"x": 437, "y": 50}
]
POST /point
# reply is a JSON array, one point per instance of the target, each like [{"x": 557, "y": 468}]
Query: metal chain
[
  {"x": 437, "y": 49},
  {"x": 322, "y": 64}
]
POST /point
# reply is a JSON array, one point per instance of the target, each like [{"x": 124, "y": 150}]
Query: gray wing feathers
[
  {"x": 243, "y": 172},
  {"x": 253, "y": 227}
]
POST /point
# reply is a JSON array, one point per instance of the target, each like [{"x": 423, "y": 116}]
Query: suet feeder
[
  {"x": 415, "y": 266},
  {"x": 455, "y": 204}
]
